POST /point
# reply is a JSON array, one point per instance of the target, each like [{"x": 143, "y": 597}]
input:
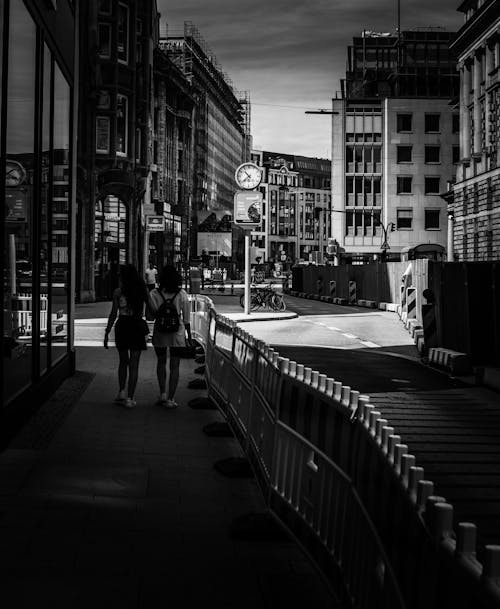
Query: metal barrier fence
[{"x": 338, "y": 477}]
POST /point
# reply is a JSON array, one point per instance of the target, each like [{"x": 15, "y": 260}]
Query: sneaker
[
  {"x": 121, "y": 397},
  {"x": 172, "y": 404},
  {"x": 129, "y": 403}
]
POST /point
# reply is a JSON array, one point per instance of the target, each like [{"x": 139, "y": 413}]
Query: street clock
[{"x": 248, "y": 176}]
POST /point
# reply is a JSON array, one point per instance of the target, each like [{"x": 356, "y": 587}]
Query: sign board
[
  {"x": 16, "y": 205},
  {"x": 247, "y": 209},
  {"x": 155, "y": 223}
]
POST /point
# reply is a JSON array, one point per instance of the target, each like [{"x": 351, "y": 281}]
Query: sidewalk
[{"x": 103, "y": 507}]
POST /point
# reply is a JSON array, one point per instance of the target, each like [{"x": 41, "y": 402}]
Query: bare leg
[
  {"x": 135, "y": 356},
  {"x": 161, "y": 371},
  {"x": 174, "y": 376},
  {"x": 123, "y": 368}
]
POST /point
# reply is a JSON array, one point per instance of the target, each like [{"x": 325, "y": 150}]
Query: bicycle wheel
[
  {"x": 242, "y": 301},
  {"x": 278, "y": 302},
  {"x": 255, "y": 302}
]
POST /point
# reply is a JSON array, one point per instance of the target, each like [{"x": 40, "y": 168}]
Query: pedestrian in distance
[
  {"x": 150, "y": 275},
  {"x": 169, "y": 307},
  {"x": 129, "y": 302}
]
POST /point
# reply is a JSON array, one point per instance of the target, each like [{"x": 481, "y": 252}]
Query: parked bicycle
[{"x": 264, "y": 297}]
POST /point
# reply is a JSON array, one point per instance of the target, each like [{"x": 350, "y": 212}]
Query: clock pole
[
  {"x": 248, "y": 176},
  {"x": 247, "y": 272}
]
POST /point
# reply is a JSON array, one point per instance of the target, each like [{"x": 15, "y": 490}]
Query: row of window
[
  {"x": 432, "y": 154},
  {"x": 367, "y": 223},
  {"x": 404, "y": 185},
  {"x": 432, "y": 123}
]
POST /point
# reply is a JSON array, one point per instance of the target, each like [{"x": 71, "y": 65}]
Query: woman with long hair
[
  {"x": 167, "y": 341},
  {"x": 129, "y": 301}
]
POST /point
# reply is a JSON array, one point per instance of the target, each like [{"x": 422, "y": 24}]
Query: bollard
[
  {"x": 407, "y": 462},
  {"x": 399, "y": 451},
  {"x": 352, "y": 292},
  {"x": 344, "y": 400},
  {"x": 373, "y": 417},
  {"x": 392, "y": 440},
  {"x": 466, "y": 539},
  {"x": 379, "y": 425},
  {"x": 386, "y": 432},
  {"x": 333, "y": 288},
  {"x": 415, "y": 475},
  {"x": 491, "y": 563},
  {"x": 425, "y": 488}
]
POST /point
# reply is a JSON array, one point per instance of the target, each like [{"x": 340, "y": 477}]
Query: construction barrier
[
  {"x": 352, "y": 292},
  {"x": 337, "y": 476},
  {"x": 333, "y": 288},
  {"x": 411, "y": 303}
]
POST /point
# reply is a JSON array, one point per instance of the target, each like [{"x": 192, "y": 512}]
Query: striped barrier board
[
  {"x": 333, "y": 288},
  {"x": 411, "y": 303},
  {"x": 352, "y": 292}
]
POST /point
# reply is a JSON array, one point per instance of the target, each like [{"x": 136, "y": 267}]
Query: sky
[{"x": 291, "y": 54}]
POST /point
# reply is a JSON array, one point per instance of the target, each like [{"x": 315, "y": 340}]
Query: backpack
[{"x": 167, "y": 317}]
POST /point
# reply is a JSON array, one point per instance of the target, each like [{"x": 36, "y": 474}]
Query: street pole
[
  {"x": 449, "y": 245},
  {"x": 247, "y": 272}
]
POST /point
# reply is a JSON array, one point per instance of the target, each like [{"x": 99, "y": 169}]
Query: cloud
[{"x": 291, "y": 52}]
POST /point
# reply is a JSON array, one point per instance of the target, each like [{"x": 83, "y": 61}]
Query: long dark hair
[
  {"x": 133, "y": 288},
  {"x": 170, "y": 280}
]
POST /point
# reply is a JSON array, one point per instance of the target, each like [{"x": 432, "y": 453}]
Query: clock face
[
  {"x": 15, "y": 173},
  {"x": 248, "y": 176}
]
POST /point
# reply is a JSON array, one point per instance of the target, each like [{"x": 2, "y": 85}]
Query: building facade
[
  {"x": 221, "y": 142},
  {"x": 172, "y": 168},
  {"x": 395, "y": 142},
  {"x": 474, "y": 199},
  {"x": 38, "y": 72},
  {"x": 117, "y": 39},
  {"x": 296, "y": 215}
]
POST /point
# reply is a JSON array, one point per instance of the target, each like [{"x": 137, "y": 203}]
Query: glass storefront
[{"x": 36, "y": 187}]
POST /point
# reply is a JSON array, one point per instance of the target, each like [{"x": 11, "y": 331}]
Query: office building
[
  {"x": 221, "y": 143},
  {"x": 474, "y": 198},
  {"x": 296, "y": 214},
  {"x": 395, "y": 142},
  {"x": 117, "y": 39}
]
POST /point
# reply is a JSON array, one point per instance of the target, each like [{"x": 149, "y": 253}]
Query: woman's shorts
[{"x": 129, "y": 333}]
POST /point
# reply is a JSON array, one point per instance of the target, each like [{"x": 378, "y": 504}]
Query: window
[
  {"x": 404, "y": 154},
  {"x": 432, "y": 185},
  {"x": 432, "y": 219},
  {"x": 102, "y": 134},
  {"x": 403, "y": 185},
  {"x": 404, "y": 122},
  {"x": 105, "y": 7},
  {"x": 122, "y": 34},
  {"x": 456, "y": 154},
  {"x": 404, "y": 219},
  {"x": 138, "y": 41},
  {"x": 121, "y": 125},
  {"x": 104, "y": 42},
  {"x": 432, "y": 123},
  {"x": 432, "y": 154},
  {"x": 455, "y": 123}
]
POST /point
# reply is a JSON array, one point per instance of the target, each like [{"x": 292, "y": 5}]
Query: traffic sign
[
  {"x": 385, "y": 246},
  {"x": 247, "y": 209}
]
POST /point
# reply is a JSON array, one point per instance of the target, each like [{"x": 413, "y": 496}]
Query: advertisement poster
[{"x": 248, "y": 209}]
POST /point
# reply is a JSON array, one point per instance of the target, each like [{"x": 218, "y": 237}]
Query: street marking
[
  {"x": 368, "y": 343},
  {"x": 334, "y": 328},
  {"x": 349, "y": 335}
]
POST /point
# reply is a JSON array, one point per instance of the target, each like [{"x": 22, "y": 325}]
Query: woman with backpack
[
  {"x": 129, "y": 301},
  {"x": 169, "y": 306}
]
